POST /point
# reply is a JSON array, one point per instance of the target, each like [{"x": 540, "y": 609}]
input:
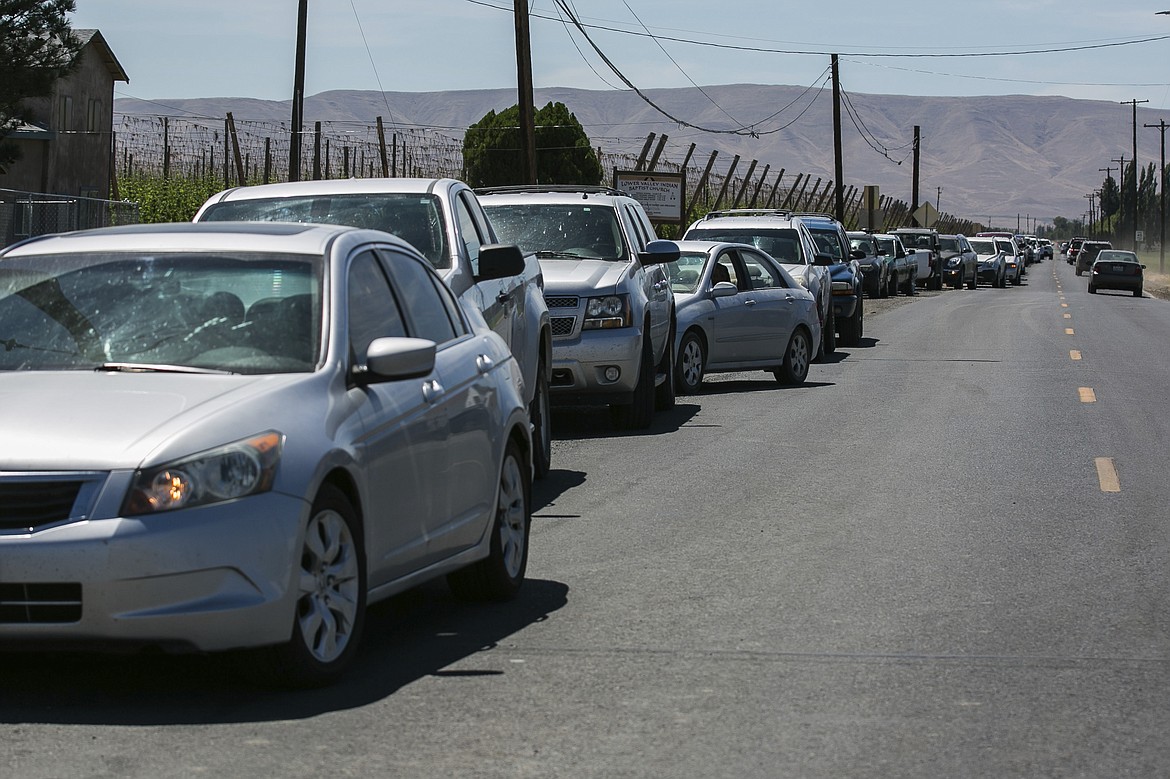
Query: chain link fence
[{"x": 25, "y": 214}]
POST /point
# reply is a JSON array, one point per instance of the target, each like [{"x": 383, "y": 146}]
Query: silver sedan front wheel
[
  {"x": 328, "y": 602},
  {"x": 691, "y": 362}
]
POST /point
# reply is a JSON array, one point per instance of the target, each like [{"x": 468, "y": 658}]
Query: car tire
[
  {"x": 1092, "y": 290},
  {"x": 692, "y": 362},
  {"x": 1137, "y": 293},
  {"x": 664, "y": 392},
  {"x": 1078, "y": 271},
  {"x": 891, "y": 287},
  {"x": 500, "y": 575},
  {"x": 538, "y": 412},
  {"x": 830, "y": 332},
  {"x": 974, "y": 282},
  {"x": 639, "y": 414},
  {"x": 330, "y": 608},
  {"x": 851, "y": 327},
  {"x": 794, "y": 369}
]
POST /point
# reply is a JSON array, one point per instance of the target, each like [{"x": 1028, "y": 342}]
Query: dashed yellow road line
[
  {"x": 1068, "y": 316},
  {"x": 1069, "y": 331},
  {"x": 1064, "y": 305},
  {"x": 1107, "y": 475},
  {"x": 1087, "y": 394},
  {"x": 1074, "y": 354}
]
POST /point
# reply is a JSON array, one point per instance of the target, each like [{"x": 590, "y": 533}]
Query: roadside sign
[
  {"x": 1140, "y": 236},
  {"x": 927, "y": 215},
  {"x": 661, "y": 194}
]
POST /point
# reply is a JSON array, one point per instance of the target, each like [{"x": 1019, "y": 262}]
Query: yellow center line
[
  {"x": 1069, "y": 331},
  {"x": 1064, "y": 305},
  {"x": 1107, "y": 475},
  {"x": 1068, "y": 316},
  {"x": 1087, "y": 394},
  {"x": 1073, "y": 354}
]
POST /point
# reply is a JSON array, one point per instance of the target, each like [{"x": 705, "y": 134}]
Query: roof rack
[
  {"x": 816, "y": 214},
  {"x": 584, "y": 189},
  {"x": 748, "y": 212}
]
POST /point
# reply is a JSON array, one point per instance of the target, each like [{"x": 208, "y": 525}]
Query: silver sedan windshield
[{"x": 238, "y": 313}]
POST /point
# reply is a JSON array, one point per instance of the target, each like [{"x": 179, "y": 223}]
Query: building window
[
  {"x": 64, "y": 113},
  {"x": 93, "y": 118}
]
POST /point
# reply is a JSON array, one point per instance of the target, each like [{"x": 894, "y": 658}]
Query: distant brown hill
[{"x": 993, "y": 157}]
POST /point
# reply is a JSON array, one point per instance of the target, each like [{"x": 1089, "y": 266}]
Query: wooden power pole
[{"x": 524, "y": 91}]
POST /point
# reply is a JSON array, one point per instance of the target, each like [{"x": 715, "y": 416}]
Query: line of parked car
[{"x": 238, "y": 433}]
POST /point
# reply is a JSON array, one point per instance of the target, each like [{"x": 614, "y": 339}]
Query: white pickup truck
[
  {"x": 444, "y": 220},
  {"x": 924, "y": 244}
]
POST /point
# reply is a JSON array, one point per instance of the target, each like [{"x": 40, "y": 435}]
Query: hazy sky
[{"x": 246, "y": 48}]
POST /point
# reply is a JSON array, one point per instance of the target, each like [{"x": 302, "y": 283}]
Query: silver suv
[
  {"x": 788, "y": 240},
  {"x": 607, "y": 293}
]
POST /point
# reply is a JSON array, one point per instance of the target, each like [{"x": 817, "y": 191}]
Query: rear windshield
[{"x": 782, "y": 243}]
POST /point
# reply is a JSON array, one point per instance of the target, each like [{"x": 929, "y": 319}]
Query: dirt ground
[{"x": 1157, "y": 285}]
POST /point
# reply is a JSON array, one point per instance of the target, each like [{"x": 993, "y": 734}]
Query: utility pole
[
  {"x": 1161, "y": 125},
  {"x": 1134, "y": 188},
  {"x": 1120, "y": 192},
  {"x": 914, "y": 186},
  {"x": 1092, "y": 213},
  {"x": 524, "y": 91},
  {"x": 838, "y": 165},
  {"x": 298, "y": 101}
]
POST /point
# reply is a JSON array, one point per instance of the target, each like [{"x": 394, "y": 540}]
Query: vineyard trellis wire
[{"x": 233, "y": 152}]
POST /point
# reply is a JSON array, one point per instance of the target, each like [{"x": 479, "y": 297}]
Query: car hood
[
  {"x": 583, "y": 275},
  {"x": 842, "y": 271},
  {"x": 104, "y": 421}
]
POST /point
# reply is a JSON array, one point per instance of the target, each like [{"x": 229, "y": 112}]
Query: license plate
[{"x": 1119, "y": 269}]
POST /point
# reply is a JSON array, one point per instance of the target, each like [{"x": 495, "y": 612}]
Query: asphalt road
[{"x": 945, "y": 555}]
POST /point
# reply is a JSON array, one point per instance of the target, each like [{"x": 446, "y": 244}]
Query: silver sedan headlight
[{"x": 228, "y": 472}]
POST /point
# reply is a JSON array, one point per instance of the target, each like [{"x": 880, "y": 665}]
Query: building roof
[{"x": 94, "y": 37}]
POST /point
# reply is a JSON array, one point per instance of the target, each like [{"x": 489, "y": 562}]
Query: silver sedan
[
  {"x": 226, "y": 436},
  {"x": 738, "y": 309}
]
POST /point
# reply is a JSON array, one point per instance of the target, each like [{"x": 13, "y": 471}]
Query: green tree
[
  {"x": 492, "y": 149},
  {"x": 37, "y": 47},
  {"x": 1110, "y": 197}
]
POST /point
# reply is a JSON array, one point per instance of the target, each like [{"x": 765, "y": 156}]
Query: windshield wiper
[
  {"x": 135, "y": 367},
  {"x": 546, "y": 254}
]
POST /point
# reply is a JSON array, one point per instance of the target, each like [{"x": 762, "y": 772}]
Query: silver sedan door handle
[
  {"x": 484, "y": 363},
  {"x": 432, "y": 391},
  {"x": 749, "y": 302}
]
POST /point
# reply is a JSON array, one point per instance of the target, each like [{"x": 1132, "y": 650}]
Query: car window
[
  {"x": 863, "y": 244},
  {"x": 587, "y": 231},
  {"x": 416, "y": 219},
  {"x": 242, "y": 312},
  {"x": 1005, "y": 247},
  {"x": 983, "y": 247},
  {"x": 686, "y": 271},
  {"x": 426, "y": 312},
  {"x": 372, "y": 309},
  {"x": 470, "y": 232},
  {"x": 760, "y": 275},
  {"x": 724, "y": 270},
  {"x": 781, "y": 243}
]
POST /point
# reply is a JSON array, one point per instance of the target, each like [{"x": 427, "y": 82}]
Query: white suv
[
  {"x": 788, "y": 240},
  {"x": 608, "y": 295}
]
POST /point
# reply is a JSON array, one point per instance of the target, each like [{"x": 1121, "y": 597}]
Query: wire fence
[
  {"x": 27, "y": 214},
  {"x": 240, "y": 152}
]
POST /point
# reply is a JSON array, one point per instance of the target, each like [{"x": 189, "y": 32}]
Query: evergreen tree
[
  {"x": 36, "y": 48},
  {"x": 1110, "y": 197},
  {"x": 492, "y": 149}
]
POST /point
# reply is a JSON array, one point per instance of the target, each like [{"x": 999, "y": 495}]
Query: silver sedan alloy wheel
[
  {"x": 511, "y": 509},
  {"x": 691, "y": 361},
  {"x": 329, "y": 582}
]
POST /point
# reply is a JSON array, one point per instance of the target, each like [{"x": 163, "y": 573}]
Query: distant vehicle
[
  {"x": 845, "y": 275},
  {"x": 875, "y": 268},
  {"x": 1114, "y": 269},
  {"x": 237, "y": 436},
  {"x": 903, "y": 265},
  {"x": 1088, "y": 253},
  {"x": 738, "y": 309},
  {"x": 1013, "y": 260},
  {"x": 960, "y": 264},
  {"x": 924, "y": 244},
  {"x": 992, "y": 268},
  {"x": 1074, "y": 246}
]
